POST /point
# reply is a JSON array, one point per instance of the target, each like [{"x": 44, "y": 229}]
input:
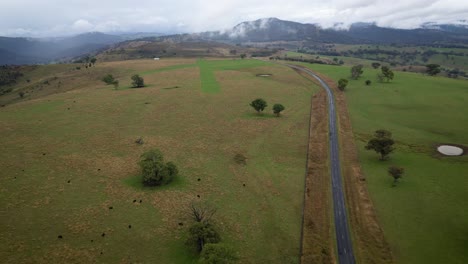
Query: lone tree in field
[
  {"x": 356, "y": 71},
  {"x": 382, "y": 143},
  {"x": 93, "y": 60},
  {"x": 432, "y": 69},
  {"x": 368, "y": 82},
  {"x": 259, "y": 104},
  {"x": 396, "y": 173},
  {"x": 386, "y": 74},
  {"x": 137, "y": 81},
  {"x": 342, "y": 83},
  {"x": 375, "y": 65},
  {"x": 217, "y": 253},
  {"x": 277, "y": 108},
  {"x": 155, "y": 172},
  {"x": 109, "y": 79}
]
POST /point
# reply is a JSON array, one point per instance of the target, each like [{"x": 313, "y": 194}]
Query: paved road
[{"x": 343, "y": 238}]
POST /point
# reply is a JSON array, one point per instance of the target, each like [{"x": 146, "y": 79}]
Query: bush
[
  {"x": 108, "y": 79},
  {"x": 342, "y": 83},
  {"x": 154, "y": 171},
  {"x": 137, "y": 81},
  {"x": 368, "y": 82},
  {"x": 217, "y": 254},
  {"x": 201, "y": 233}
]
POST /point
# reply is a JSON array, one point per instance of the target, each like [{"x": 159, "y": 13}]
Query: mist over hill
[{"x": 33, "y": 51}]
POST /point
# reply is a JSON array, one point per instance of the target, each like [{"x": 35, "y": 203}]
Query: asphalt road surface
[{"x": 343, "y": 238}]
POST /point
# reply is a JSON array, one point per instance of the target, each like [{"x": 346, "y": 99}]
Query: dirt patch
[
  {"x": 317, "y": 239},
  {"x": 240, "y": 159},
  {"x": 370, "y": 245},
  {"x": 264, "y": 75}
]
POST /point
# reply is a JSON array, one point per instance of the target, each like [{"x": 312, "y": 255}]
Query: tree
[
  {"x": 116, "y": 84},
  {"x": 202, "y": 233},
  {"x": 356, "y": 71},
  {"x": 108, "y": 79},
  {"x": 259, "y": 104},
  {"x": 368, "y": 82},
  {"x": 432, "y": 69},
  {"x": 243, "y": 55},
  {"x": 396, "y": 173},
  {"x": 375, "y": 65},
  {"x": 93, "y": 60},
  {"x": 386, "y": 74},
  {"x": 21, "y": 94},
  {"x": 154, "y": 171},
  {"x": 217, "y": 254},
  {"x": 342, "y": 83},
  {"x": 201, "y": 212},
  {"x": 137, "y": 81},
  {"x": 277, "y": 108},
  {"x": 382, "y": 143}
]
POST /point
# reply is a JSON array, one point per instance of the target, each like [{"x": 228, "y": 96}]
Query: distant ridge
[{"x": 32, "y": 51}]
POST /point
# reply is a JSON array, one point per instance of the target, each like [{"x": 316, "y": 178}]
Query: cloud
[
  {"x": 82, "y": 25},
  {"x": 54, "y": 17}
]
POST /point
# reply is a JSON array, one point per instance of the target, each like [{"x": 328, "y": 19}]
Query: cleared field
[
  {"x": 424, "y": 218},
  {"x": 69, "y": 157}
]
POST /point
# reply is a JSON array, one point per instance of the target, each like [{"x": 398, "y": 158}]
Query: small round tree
[
  {"x": 368, "y": 82},
  {"x": 137, "y": 81},
  {"x": 396, "y": 173},
  {"x": 381, "y": 143},
  {"x": 108, "y": 79},
  {"x": 259, "y": 104},
  {"x": 342, "y": 83},
  {"x": 277, "y": 108},
  {"x": 154, "y": 171}
]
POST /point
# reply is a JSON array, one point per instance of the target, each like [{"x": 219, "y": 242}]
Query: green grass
[
  {"x": 92, "y": 146},
  {"x": 208, "y": 68},
  {"x": 425, "y": 216},
  {"x": 169, "y": 68}
]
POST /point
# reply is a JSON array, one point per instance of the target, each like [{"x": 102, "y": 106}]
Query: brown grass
[
  {"x": 369, "y": 242},
  {"x": 317, "y": 246}
]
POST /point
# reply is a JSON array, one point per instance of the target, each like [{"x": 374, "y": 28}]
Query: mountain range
[{"x": 33, "y": 51}]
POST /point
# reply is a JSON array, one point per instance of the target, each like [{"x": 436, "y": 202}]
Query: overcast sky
[{"x": 59, "y": 17}]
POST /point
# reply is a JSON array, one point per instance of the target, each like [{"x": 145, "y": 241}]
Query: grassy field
[
  {"x": 67, "y": 158},
  {"x": 424, "y": 217},
  {"x": 455, "y": 58}
]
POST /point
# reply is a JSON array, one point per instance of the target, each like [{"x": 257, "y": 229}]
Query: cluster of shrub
[
  {"x": 386, "y": 74},
  {"x": 8, "y": 76},
  {"x": 203, "y": 235},
  {"x": 311, "y": 61},
  {"x": 137, "y": 81}
]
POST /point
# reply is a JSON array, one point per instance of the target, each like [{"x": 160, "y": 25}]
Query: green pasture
[
  {"x": 69, "y": 164},
  {"x": 424, "y": 218}
]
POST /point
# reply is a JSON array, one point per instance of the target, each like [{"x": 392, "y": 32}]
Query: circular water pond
[{"x": 450, "y": 150}]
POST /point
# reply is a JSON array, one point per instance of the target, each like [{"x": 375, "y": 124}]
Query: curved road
[{"x": 343, "y": 238}]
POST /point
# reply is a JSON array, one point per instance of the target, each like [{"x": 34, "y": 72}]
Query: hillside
[{"x": 33, "y": 51}]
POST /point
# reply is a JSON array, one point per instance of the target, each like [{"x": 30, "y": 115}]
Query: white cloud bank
[{"x": 56, "y": 17}]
